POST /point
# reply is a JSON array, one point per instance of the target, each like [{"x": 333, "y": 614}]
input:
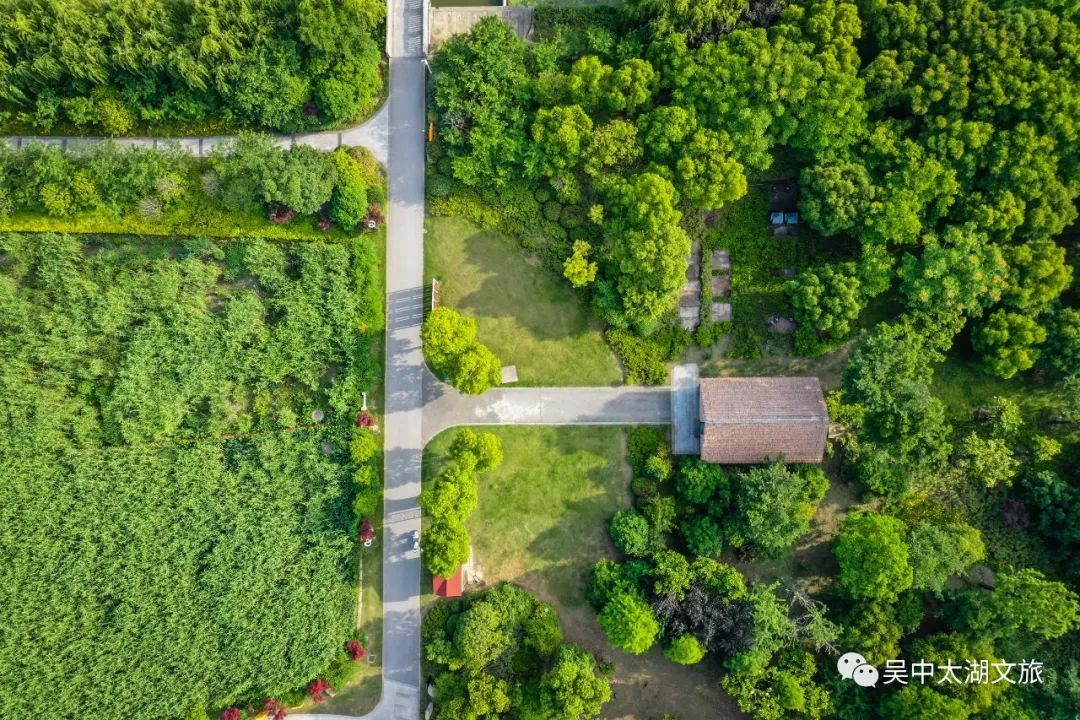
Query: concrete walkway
[
  {"x": 372, "y": 134},
  {"x": 446, "y": 408}
]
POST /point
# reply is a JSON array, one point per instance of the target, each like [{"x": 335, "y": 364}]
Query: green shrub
[
  {"x": 542, "y": 194},
  {"x": 440, "y": 186},
  {"x": 572, "y": 217},
  {"x": 116, "y": 118},
  {"x": 685, "y": 650},
  {"x": 366, "y": 502},
  {"x": 552, "y": 210}
]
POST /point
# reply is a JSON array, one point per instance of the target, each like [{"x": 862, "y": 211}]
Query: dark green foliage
[
  {"x": 645, "y": 359},
  {"x": 500, "y": 654},
  {"x": 900, "y": 427},
  {"x": 481, "y": 89},
  {"x": 170, "y": 503},
  {"x": 187, "y": 62},
  {"x": 703, "y": 536},
  {"x": 773, "y": 506},
  {"x": 700, "y": 482},
  {"x": 1062, "y": 350}
]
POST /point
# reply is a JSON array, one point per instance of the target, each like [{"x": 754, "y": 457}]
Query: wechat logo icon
[{"x": 853, "y": 666}]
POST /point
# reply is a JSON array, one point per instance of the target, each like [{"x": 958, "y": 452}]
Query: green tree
[
  {"x": 445, "y": 547},
  {"x": 305, "y": 180},
  {"x": 482, "y": 451},
  {"x": 872, "y": 626},
  {"x": 631, "y": 86},
  {"x": 707, "y": 174},
  {"x": 703, "y": 535},
  {"x": 939, "y": 552},
  {"x": 773, "y": 506},
  {"x": 1038, "y": 274},
  {"x": 1008, "y": 343},
  {"x": 629, "y": 623},
  {"x": 560, "y": 136},
  {"x": 873, "y": 557},
  {"x": 1062, "y": 350},
  {"x": 687, "y": 16},
  {"x": 962, "y": 273},
  {"x": 827, "y": 302},
  {"x": 481, "y": 89},
  {"x": 836, "y": 196},
  {"x": 988, "y": 460},
  {"x": 578, "y": 269},
  {"x": 1024, "y": 602},
  {"x": 665, "y": 130},
  {"x": 612, "y": 148},
  {"x": 571, "y": 688},
  {"x": 901, "y": 430},
  {"x": 451, "y": 346},
  {"x": 631, "y": 533},
  {"x": 685, "y": 650},
  {"x": 479, "y": 637},
  {"x": 699, "y": 482},
  {"x": 649, "y": 249},
  {"x": 671, "y": 573},
  {"x": 922, "y": 702}
]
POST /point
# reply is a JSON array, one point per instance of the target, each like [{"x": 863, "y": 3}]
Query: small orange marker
[{"x": 431, "y": 132}]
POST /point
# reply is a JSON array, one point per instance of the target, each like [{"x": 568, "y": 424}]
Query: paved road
[{"x": 446, "y": 408}]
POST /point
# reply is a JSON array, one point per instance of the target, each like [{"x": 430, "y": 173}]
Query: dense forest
[
  {"x": 179, "y": 419},
  {"x": 932, "y": 144},
  {"x": 117, "y": 67}
]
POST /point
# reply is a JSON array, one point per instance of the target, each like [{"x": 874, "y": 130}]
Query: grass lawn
[
  {"x": 526, "y": 315},
  {"x": 541, "y": 523}
]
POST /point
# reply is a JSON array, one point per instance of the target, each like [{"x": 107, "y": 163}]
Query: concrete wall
[{"x": 444, "y": 23}]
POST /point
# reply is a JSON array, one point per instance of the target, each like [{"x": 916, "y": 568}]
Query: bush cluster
[
  {"x": 500, "y": 653},
  {"x": 250, "y": 175}
]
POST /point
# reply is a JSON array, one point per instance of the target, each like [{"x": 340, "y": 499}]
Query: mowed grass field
[
  {"x": 541, "y": 522},
  {"x": 526, "y": 315}
]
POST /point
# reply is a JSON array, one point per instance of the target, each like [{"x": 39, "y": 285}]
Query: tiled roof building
[{"x": 751, "y": 420}]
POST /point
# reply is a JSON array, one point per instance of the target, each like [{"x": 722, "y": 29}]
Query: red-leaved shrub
[
  {"x": 318, "y": 689},
  {"x": 230, "y": 714},
  {"x": 355, "y": 649},
  {"x": 274, "y": 709}
]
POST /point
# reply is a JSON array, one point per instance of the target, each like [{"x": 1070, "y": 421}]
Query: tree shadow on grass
[{"x": 531, "y": 296}]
